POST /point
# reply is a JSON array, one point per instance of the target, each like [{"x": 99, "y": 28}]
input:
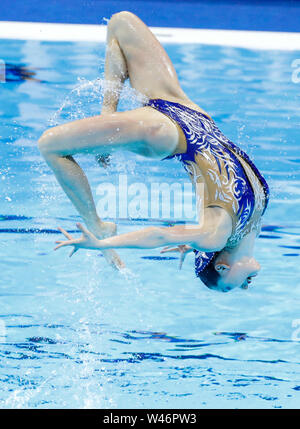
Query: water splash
[
  {"x": 85, "y": 100},
  {"x": 132, "y": 279}
]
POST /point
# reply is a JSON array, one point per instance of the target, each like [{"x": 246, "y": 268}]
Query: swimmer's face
[{"x": 239, "y": 273}]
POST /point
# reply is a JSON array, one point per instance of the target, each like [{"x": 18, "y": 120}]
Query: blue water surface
[{"x": 76, "y": 334}]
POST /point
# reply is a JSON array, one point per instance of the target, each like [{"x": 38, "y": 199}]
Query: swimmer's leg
[
  {"x": 115, "y": 75},
  {"x": 144, "y": 131},
  {"x": 75, "y": 184},
  {"x": 133, "y": 51}
]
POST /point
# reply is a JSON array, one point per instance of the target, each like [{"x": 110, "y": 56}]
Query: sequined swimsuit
[{"x": 231, "y": 179}]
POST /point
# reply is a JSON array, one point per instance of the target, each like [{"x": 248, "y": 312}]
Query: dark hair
[{"x": 209, "y": 275}]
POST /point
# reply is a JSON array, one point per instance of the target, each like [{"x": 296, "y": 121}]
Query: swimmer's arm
[
  {"x": 211, "y": 236},
  {"x": 150, "y": 238},
  {"x": 147, "y": 238},
  {"x": 115, "y": 76}
]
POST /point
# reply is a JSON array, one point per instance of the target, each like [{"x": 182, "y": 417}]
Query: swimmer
[{"x": 169, "y": 125}]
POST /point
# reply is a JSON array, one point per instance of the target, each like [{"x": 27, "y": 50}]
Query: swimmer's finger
[
  {"x": 66, "y": 234},
  {"x": 87, "y": 236},
  {"x": 74, "y": 250},
  {"x": 60, "y": 244},
  {"x": 182, "y": 258},
  {"x": 65, "y": 243},
  {"x": 167, "y": 249},
  {"x": 83, "y": 229}
]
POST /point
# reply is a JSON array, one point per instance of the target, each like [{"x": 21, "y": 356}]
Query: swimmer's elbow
[
  {"x": 215, "y": 237},
  {"x": 219, "y": 242},
  {"x": 210, "y": 242}
]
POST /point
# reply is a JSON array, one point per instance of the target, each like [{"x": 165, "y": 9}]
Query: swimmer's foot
[{"x": 104, "y": 230}]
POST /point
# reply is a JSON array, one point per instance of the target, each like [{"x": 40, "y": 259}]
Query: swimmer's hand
[
  {"x": 182, "y": 248},
  {"x": 86, "y": 241}
]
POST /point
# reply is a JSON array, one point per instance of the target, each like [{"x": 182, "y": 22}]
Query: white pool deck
[{"x": 97, "y": 33}]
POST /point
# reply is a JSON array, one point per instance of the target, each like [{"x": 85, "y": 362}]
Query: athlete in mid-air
[{"x": 168, "y": 125}]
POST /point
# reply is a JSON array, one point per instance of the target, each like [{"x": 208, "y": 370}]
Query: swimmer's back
[{"x": 231, "y": 179}]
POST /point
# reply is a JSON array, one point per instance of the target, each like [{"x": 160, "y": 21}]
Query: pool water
[{"x": 76, "y": 334}]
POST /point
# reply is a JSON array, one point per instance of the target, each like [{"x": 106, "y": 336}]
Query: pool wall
[{"x": 263, "y": 15}]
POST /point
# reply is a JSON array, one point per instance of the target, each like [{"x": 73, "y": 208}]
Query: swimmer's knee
[
  {"x": 42, "y": 142},
  {"x": 122, "y": 16},
  {"x": 45, "y": 142},
  {"x": 121, "y": 21}
]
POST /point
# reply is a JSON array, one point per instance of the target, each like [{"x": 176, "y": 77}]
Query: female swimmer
[{"x": 168, "y": 125}]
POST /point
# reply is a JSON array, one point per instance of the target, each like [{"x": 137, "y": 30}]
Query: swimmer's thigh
[{"x": 144, "y": 131}]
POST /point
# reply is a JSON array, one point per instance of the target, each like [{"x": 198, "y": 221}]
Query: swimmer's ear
[{"x": 222, "y": 268}]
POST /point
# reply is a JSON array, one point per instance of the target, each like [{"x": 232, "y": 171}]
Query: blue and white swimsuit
[{"x": 237, "y": 184}]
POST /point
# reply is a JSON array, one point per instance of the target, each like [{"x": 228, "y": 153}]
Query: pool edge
[{"x": 262, "y": 40}]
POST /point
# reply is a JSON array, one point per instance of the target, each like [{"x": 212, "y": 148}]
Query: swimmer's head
[{"x": 225, "y": 272}]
